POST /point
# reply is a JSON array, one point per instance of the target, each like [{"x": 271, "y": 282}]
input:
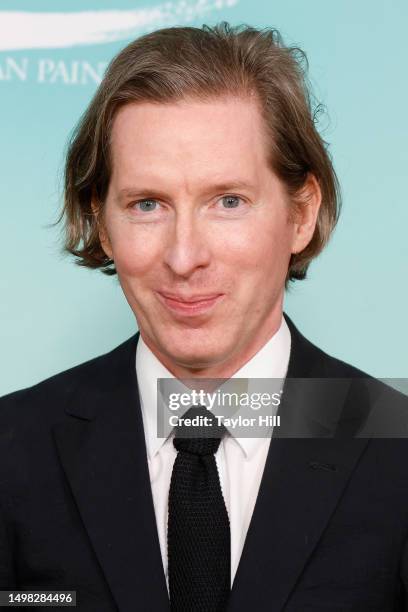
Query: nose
[{"x": 187, "y": 246}]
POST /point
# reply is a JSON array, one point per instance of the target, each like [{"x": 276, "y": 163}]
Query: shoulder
[
  {"x": 375, "y": 403},
  {"x": 308, "y": 360},
  {"x": 48, "y": 398}
]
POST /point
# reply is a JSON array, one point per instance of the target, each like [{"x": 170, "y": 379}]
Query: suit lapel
[
  {"x": 102, "y": 450},
  {"x": 302, "y": 483},
  {"x": 298, "y": 493}
]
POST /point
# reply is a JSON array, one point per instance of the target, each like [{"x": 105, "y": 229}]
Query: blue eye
[
  {"x": 231, "y": 201},
  {"x": 147, "y": 205}
]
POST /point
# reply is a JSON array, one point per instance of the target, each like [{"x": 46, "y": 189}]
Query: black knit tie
[{"x": 198, "y": 534}]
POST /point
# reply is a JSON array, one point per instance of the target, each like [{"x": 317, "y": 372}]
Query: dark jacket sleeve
[
  {"x": 8, "y": 578},
  {"x": 403, "y": 592},
  {"x": 7, "y": 575}
]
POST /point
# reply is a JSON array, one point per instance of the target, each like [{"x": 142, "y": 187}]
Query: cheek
[
  {"x": 135, "y": 251},
  {"x": 258, "y": 248}
]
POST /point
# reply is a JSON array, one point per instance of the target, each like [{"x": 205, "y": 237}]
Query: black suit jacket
[{"x": 328, "y": 533}]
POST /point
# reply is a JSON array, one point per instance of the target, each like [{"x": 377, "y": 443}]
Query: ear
[
  {"x": 309, "y": 200},
  {"x": 103, "y": 235}
]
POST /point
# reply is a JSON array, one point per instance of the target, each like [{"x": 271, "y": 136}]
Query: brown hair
[{"x": 183, "y": 62}]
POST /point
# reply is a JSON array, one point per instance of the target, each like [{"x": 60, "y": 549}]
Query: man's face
[{"x": 198, "y": 227}]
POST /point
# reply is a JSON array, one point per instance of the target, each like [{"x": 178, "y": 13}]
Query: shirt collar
[{"x": 271, "y": 361}]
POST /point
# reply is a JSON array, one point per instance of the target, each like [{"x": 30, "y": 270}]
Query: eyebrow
[{"x": 135, "y": 192}]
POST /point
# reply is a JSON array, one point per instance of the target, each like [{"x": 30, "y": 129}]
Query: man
[{"x": 198, "y": 176}]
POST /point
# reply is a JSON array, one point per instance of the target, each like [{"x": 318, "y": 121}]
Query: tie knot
[{"x": 200, "y": 437}]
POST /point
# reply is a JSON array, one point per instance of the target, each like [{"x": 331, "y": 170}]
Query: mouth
[{"x": 191, "y": 305}]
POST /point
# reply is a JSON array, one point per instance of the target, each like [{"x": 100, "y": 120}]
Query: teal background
[{"x": 354, "y": 303}]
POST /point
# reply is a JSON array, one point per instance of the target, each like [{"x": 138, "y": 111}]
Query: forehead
[{"x": 197, "y": 138}]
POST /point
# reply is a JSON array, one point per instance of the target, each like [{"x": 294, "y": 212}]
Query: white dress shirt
[{"x": 240, "y": 461}]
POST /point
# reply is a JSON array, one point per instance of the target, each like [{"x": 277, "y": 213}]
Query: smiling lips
[{"x": 192, "y": 305}]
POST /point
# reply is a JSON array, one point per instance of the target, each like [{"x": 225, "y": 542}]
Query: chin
[
  {"x": 198, "y": 357},
  {"x": 192, "y": 352}
]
